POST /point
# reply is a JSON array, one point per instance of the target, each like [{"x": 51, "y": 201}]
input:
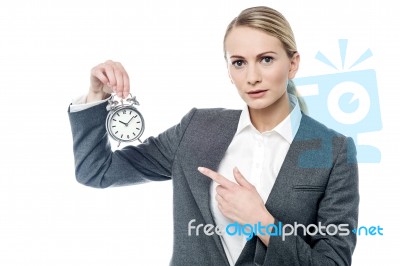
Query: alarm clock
[{"x": 124, "y": 122}]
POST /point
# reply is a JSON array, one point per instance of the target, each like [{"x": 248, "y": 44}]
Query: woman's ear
[{"x": 294, "y": 65}]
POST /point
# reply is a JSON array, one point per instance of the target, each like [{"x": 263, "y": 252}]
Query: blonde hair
[
  {"x": 268, "y": 20},
  {"x": 274, "y": 24}
]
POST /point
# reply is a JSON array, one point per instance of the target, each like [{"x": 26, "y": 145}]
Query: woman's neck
[{"x": 268, "y": 118}]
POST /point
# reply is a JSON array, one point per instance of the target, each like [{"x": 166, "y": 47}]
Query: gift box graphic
[{"x": 346, "y": 101}]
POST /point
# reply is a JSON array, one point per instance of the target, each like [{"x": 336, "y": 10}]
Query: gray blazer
[{"x": 317, "y": 183}]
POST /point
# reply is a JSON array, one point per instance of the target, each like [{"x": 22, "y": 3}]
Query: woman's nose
[{"x": 253, "y": 75}]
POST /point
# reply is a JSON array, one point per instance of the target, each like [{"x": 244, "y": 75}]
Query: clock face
[{"x": 126, "y": 124}]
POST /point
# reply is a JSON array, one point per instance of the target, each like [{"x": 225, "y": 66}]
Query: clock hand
[
  {"x": 130, "y": 120},
  {"x": 126, "y": 124}
]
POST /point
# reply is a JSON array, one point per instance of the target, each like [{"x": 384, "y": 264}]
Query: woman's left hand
[{"x": 239, "y": 202}]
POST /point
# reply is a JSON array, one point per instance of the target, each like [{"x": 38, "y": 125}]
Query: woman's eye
[
  {"x": 238, "y": 63},
  {"x": 267, "y": 60}
]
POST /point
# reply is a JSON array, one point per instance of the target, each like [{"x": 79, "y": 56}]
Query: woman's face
[{"x": 259, "y": 66}]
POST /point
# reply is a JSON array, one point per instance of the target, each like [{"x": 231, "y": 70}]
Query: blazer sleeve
[
  {"x": 339, "y": 205},
  {"x": 96, "y": 165}
]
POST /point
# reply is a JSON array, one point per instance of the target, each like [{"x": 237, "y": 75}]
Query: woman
[{"x": 268, "y": 165}]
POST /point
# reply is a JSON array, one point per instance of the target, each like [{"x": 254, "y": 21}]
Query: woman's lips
[{"x": 257, "y": 93}]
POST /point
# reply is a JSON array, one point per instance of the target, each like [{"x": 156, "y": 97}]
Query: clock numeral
[
  {"x": 116, "y": 133},
  {"x": 134, "y": 116},
  {"x": 114, "y": 120},
  {"x": 118, "y": 114},
  {"x": 128, "y": 137},
  {"x": 138, "y": 128},
  {"x": 124, "y": 112},
  {"x": 113, "y": 126},
  {"x": 122, "y": 135},
  {"x": 138, "y": 122},
  {"x": 130, "y": 112},
  {"x": 133, "y": 133}
]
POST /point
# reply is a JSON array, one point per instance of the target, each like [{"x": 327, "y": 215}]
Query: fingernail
[
  {"x": 236, "y": 169},
  {"x": 201, "y": 169}
]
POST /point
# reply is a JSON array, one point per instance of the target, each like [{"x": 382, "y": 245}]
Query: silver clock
[{"x": 124, "y": 121}]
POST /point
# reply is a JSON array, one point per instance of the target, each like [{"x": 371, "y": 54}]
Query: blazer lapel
[
  {"x": 295, "y": 165},
  {"x": 217, "y": 131},
  {"x": 303, "y": 159}
]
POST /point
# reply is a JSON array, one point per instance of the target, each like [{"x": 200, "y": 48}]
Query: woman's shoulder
[
  {"x": 311, "y": 127},
  {"x": 324, "y": 141}
]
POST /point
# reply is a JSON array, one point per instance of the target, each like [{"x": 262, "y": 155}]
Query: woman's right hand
[{"x": 107, "y": 78}]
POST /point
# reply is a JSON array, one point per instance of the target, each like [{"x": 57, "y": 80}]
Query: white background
[{"x": 173, "y": 53}]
